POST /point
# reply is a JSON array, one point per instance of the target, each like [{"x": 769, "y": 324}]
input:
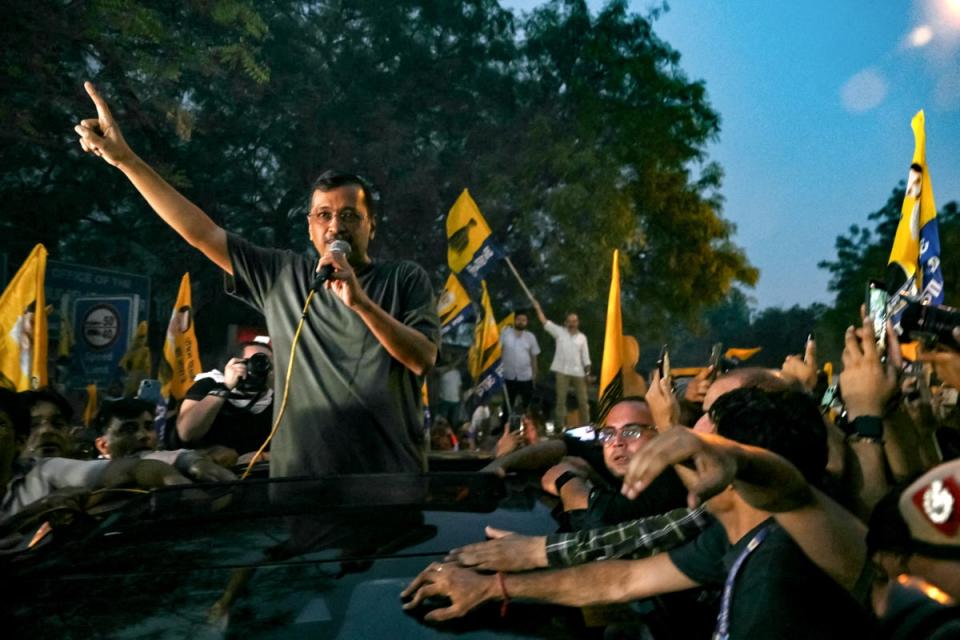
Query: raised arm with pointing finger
[
  {"x": 371, "y": 332},
  {"x": 101, "y": 136}
]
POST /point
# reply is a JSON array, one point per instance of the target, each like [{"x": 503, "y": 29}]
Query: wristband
[
  {"x": 563, "y": 479},
  {"x": 868, "y": 426},
  {"x": 219, "y": 391},
  {"x": 503, "y": 591}
]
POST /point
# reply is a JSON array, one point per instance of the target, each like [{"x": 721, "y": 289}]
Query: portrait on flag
[{"x": 23, "y": 326}]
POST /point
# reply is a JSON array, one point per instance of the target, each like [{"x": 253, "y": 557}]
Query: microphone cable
[{"x": 286, "y": 388}]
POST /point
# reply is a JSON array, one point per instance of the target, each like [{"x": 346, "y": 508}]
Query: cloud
[
  {"x": 920, "y": 36},
  {"x": 863, "y": 91}
]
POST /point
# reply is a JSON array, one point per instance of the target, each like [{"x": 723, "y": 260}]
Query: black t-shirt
[
  {"x": 243, "y": 422},
  {"x": 778, "y": 592},
  {"x": 352, "y": 407}
]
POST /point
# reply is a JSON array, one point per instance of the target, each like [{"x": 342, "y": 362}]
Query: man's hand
[
  {"x": 505, "y": 551},
  {"x": 714, "y": 464},
  {"x": 866, "y": 383},
  {"x": 234, "y": 372},
  {"x": 664, "y": 406},
  {"x": 804, "y": 371},
  {"x": 509, "y": 442},
  {"x": 101, "y": 135},
  {"x": 208, "y": 471},
  {"x": 698, "y": 387},
  {"x": 466, "y": 589},
  {"x": 343, "y": 281}
]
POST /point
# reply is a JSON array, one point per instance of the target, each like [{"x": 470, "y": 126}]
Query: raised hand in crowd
[
  {"x": 509, "y": 442},
  {"x": 663, "y": 404},
  {"x": 867, "y": 383},
  {"x": 803, "y": 369},
  {"x": 504, "y": 551},
  {"x": 697, "y": 388},
  {"x": 101, "y": 135}
]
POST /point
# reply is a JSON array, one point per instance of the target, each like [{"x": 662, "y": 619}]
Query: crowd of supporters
[{"x": 746, "y": 503}]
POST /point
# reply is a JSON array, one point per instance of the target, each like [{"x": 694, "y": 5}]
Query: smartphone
[
  {"x": 876, "y": 303},
  {"x": 149, "y": 391},
  {"x": 716, "y": 353},
  {"x": 663, "y": 362}
]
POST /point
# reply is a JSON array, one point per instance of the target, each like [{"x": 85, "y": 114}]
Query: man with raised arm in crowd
[
  {"x": 370, "y": 332},
  {"x": 778, "y": 549},
  {"x": 571, "y": 364}
]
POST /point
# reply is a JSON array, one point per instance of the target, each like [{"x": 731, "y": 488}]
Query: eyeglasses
[
  {"x": 608, "y": 435},
  {"x": 346, "y": 216}
]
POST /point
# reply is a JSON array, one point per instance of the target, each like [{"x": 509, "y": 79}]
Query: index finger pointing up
[{"x": 103, "y": 111}]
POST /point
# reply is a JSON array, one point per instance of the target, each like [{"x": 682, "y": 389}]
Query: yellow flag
[
  {"x": 454, "y": 306},
  {"x": 507, "y": 322},
  {"x": 181, "y": 355},
  {"x": 92, "y": 406},
  {"x": 470, "y": 247},
  {"x": 611, "y": 370},
  {"x": 741, "y": 354},
  {"x": 916, "y": 247},
  {"x": 23, "y": 326},
  {"x": 483, "y": 358}
]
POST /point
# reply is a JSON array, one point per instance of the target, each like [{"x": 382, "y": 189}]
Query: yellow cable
[{"x": 286, "y": 390}]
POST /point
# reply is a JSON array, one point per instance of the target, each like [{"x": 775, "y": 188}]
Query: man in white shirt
[
  {"x": 520, "y": 350},
  {"x": 571, "y": 364}
]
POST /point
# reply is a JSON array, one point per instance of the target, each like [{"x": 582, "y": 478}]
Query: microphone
[{"x": 337, "y": 246}]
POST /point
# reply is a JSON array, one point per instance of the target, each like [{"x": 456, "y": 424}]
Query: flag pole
[{"x": 519, "y": 279}]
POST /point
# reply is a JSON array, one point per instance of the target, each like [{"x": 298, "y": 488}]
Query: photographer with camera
[{"x": 233, "y": 409}]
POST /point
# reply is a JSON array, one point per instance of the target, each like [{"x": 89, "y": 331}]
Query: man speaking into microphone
[{"x": 371, "y": 330}]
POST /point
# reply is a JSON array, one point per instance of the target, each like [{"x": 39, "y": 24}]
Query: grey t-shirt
[{"x": 352, "y": 407}]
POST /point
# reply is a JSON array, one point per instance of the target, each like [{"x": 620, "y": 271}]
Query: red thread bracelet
[{"x": 506, "y": 597}]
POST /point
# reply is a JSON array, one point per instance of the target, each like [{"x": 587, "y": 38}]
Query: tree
[
  {"x": 862, "y": 255},
  {"x": 576, "y": 133}
]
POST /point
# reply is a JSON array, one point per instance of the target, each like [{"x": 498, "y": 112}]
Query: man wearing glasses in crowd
[
  {"x": 371, "y": 330},
  {"x": 590, "y": 499}
]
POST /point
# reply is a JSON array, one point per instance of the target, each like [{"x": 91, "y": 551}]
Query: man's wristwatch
[{"x": 563, "y": 479}]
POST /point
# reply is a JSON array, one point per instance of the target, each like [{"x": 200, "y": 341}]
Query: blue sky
[{"x": 815, "y": 100}]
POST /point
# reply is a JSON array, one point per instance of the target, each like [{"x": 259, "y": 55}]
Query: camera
[
  {"x": 259, "y": 369},
  {"x": 930, "y": 323}
]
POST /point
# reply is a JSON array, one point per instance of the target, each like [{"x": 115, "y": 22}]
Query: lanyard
[{"x": 723, "y": 620}]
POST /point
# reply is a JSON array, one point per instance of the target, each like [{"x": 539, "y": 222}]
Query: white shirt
[
  {"x": 519, "y": 349},
  {"x": 47, "y": 475},
  {"x": 572, "y": 355}
]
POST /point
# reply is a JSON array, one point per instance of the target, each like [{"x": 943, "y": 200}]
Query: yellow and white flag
[
  {"x": 181, "y": 355},
  {"x": 914, "y": 264},
  {"x": 454, "y": 306},
  {"x": 471, "y": 250},
  {"x": 484, "y": 357},
  {"x": 611, "y": 369},
  {"x": 23, "y": 326}
]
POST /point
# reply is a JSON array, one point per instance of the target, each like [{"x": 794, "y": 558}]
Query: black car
[{"x": 282, "y": 558}]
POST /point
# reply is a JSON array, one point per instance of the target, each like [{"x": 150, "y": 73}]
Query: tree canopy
[{"x": 576, "y": 133}]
